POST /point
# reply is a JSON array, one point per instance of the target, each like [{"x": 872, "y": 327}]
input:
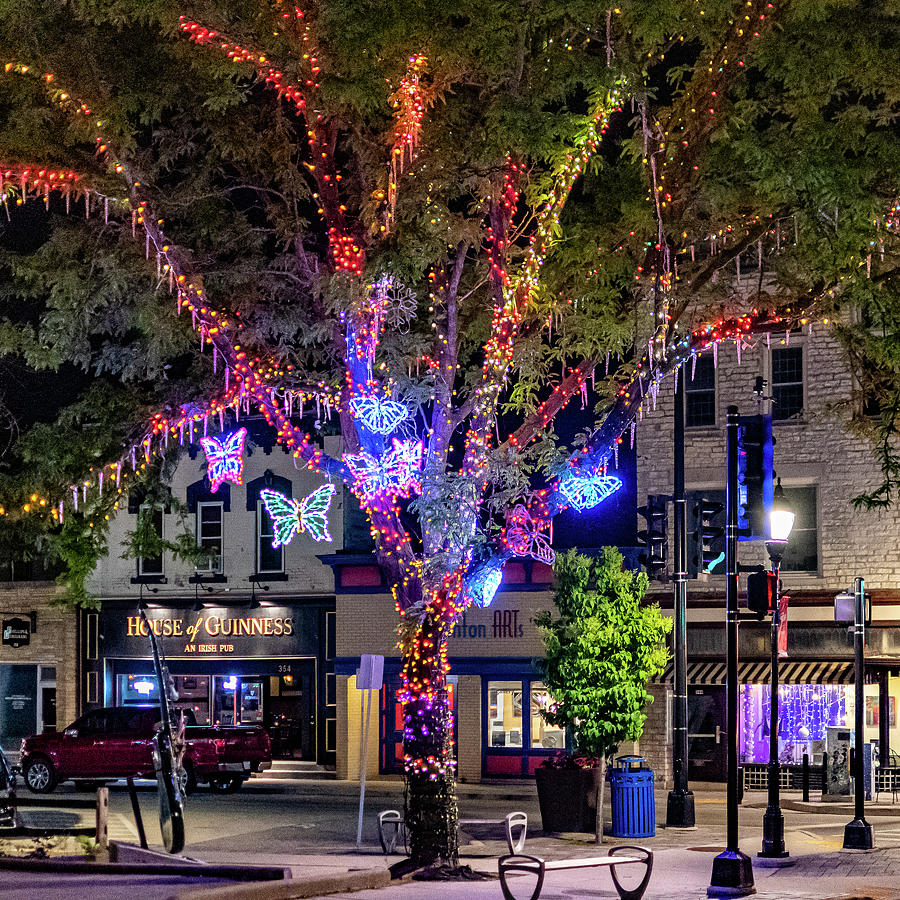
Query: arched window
[{"x": 269, "y": 559}]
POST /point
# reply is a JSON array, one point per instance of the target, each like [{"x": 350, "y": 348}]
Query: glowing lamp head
[
  {"x": 230, "y": 683},
  {"x": 781, "y": 517}
]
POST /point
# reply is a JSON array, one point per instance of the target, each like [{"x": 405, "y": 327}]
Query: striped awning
[{"x": 789, "y": 672}]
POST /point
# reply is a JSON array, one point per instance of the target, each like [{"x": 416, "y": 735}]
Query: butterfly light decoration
[
  {"x": 291, "y": 517},
  {"x": 396, "y": 474},
  {"x": 378, "y": 414},
  {"x": 524, "y": 538},
  {"x": 225, "y": 458},
  {"x": 585, "y": 491}
]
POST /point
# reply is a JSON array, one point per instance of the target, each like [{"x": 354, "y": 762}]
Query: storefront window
[
  {"x": 805, "y": 712},
  {"x": 505, "y": 713},
  {"x": 544, "y": 736}
]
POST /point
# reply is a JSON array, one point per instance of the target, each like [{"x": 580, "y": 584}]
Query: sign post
[{"x": 369, "y": 677}]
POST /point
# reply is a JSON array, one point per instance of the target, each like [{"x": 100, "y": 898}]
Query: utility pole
[
  {"x": 732, "y": 872},
  {"x": 680, "y": 807}
]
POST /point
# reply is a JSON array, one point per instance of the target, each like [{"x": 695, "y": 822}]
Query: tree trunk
[
  {"x": 431, "y": 816},
  {"x": 598, "y": 821}
]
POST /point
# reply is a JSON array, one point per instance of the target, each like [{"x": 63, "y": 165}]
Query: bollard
[
  {"x": 824, "y": 774},
  {"x": 103, "y": 819},
  {"x": 806, "y": 778}
]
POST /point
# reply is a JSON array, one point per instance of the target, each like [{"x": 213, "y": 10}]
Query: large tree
[{"x": 428, "y": 227}]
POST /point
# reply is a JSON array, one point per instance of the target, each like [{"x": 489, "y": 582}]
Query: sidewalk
[{"x": 682, "y": 861}]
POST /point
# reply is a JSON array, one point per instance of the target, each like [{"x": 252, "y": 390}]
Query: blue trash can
[{"x": 633, "y": 801}]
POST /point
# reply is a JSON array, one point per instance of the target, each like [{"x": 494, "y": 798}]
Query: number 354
[{"x": 284, "y": 668}]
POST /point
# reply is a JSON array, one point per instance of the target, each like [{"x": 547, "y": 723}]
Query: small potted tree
[{"x": 600, "y": 654}]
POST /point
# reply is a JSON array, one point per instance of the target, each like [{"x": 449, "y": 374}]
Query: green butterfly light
[{"x": 291, "y": 517}]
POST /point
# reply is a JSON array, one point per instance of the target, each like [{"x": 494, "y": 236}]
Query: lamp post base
[
  {"x": 732, "y": 875},
  {"x": 858, "y": 835},
  {"x": 773, "y": 835},
  {"x": 680, "y": 809}
]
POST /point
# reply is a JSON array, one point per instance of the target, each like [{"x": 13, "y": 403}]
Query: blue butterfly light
[
  {"x": 396, "y": 474},
  {"x": 379, "y": 415},
  {"x": 585, "y": 491},
  {"x": 483, "y": 587}
]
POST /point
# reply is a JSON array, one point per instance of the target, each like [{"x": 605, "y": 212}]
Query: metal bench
[
  {"x": 534, "y": 865},
  {"x": 391, "y": 828}
]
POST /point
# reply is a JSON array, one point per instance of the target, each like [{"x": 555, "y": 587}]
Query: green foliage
[
  {"x": 601, "y": 651},
  {"x": 144, "y": 541}
]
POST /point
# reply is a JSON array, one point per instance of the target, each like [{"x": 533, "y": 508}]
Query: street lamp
[
  {"x": 781, "y": 521},
  {"x": 858, "y": 833}
]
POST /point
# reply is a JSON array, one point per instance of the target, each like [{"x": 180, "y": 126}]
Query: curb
[
  {"x": 359, "y": 880},
  {"x": 189, "y": 869}
]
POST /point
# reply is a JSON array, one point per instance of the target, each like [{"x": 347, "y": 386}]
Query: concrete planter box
[{"x": 568, "y": 798}]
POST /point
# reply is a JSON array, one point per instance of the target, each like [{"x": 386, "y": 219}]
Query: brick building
[
  {"x": 38, "y": 661},
  {"x": 823, "y": 466}
]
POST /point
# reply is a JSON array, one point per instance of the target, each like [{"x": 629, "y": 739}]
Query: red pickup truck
[{"x": 116, "y": 742}]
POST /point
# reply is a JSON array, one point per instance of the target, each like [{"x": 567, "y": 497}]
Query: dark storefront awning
[{"x": 809, "y": 672}]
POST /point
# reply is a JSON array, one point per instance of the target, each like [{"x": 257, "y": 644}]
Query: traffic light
[
  {"x": 655, "y": 539},
  {"x": 756, "y": 490},
  {"x": 709, "y": 537},
  {"x": 761, "y": 592}
]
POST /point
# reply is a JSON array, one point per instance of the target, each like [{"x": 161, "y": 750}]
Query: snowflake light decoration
[
  {"x": 378, "y": 414},
  {"x": 585, "y": 491},
  {"x": 396, "y": 474},
  {"x": 225, "y": 458},
  {"x": 291, "y": 517}
]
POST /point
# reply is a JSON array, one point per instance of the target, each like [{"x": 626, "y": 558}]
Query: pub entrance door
[{"x": 291, "y": 714}]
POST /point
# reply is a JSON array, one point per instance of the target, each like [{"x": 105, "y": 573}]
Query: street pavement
[{"x": 309, "y": 826}]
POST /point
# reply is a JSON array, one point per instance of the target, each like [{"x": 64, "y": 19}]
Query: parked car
[
  {"x": 243, "y": 751},
  {"x": 114, "y": 742},
  {"x": 7, "y": 794}
]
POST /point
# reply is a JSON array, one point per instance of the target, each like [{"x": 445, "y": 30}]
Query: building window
[
  {"x": 787, "y": 383},
  {"x": 515, "y": 744},
  {"x": 152, "y": 565},
  {"x": 700, "y": 393},
  {"x": 543, "y": 735},
  {"x": 802, "y": 551},
  {"x": 209, "y": 535},
  {"x": 269, "y": 559}
]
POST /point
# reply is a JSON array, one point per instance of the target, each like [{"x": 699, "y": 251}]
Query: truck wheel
[
  {"x": 187, "y": 780},
  {"x": 226, "y": 785},
  {"x": 40, "y": 775}
]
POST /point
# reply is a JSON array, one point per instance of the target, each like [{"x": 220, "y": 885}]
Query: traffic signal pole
[
  {"x": 732, "y": 872},
  {"x": 680, "y": 807}
]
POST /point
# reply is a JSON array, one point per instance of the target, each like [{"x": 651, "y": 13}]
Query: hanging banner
[{"x": 783, "y": 601}]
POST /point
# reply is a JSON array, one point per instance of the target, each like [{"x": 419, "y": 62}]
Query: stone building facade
[{"x": 823, "y": 464}]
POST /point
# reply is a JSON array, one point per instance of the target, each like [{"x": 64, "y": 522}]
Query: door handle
[{"x": 718, "y": 734}]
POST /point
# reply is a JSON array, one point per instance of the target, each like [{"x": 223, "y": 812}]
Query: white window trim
[
  {"x": 799, "y": 574},
  {"x": 685, "y": 373},
  {"x": 212, "y": 568},
  {"x": 796, "y": 341},
  {"x": 260, "y": 512},
  {"x": 162, "y": 565}
]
